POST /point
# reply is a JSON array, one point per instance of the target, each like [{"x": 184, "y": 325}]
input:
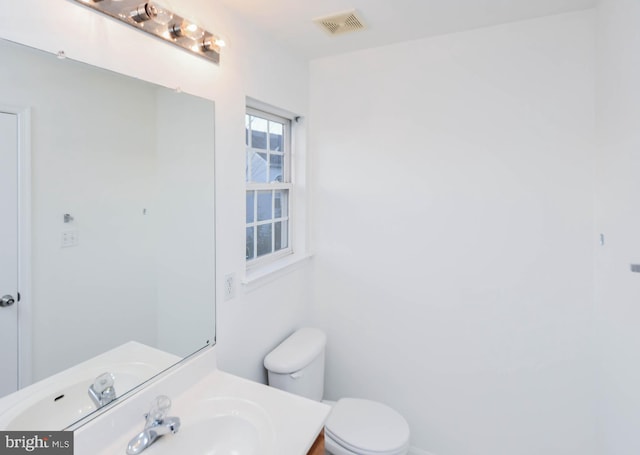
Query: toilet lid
[{"x": 367, "y": 426}]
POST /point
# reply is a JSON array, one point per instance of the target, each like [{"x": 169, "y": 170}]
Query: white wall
[
  {"x": 618, "y": 218},
  {"x": 251, "y": 65},
  {"x": 454, "y": 234}
]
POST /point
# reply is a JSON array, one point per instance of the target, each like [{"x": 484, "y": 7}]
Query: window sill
[{"x": 264, "y": 274}]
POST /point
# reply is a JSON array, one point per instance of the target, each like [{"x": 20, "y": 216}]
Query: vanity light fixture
[{"x": 151, "y": 17}]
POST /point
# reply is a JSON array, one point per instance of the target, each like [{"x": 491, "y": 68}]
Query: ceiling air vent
[{"x": 340, "y": 23}]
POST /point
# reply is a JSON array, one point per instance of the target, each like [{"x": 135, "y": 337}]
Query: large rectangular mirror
[{"x": 121, "y": 231}]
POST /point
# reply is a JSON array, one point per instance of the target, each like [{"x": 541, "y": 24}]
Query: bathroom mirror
[{"x": 122, "y": 213}]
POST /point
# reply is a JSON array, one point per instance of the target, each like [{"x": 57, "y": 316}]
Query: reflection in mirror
[{"x": 122, "y": 216}]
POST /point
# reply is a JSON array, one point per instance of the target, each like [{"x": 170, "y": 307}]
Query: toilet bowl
[
  {"x": 355, "y": 426},
  {"x": 365, "y": 427}
]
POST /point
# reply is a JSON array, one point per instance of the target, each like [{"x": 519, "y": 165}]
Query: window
[{"x": 269, "y": 187}]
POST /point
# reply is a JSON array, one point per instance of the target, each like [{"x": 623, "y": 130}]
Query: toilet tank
[{"x": 297, "y": 364}]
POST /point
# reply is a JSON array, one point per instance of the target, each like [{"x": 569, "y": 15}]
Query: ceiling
[{"x": 387, "y": 21}]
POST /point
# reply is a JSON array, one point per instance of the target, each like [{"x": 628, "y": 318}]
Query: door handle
[{"x": 7, "y": 300}]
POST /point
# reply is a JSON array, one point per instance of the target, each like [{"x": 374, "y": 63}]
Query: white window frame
[{"x": 287, "y": 184}]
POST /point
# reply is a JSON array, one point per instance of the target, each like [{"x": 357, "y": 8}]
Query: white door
[{"x": 8, "y": 253}]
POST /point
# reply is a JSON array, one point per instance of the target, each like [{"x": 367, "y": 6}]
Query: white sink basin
[
  {"x": 67, "y": 404},
  {"x": 59, "y": 401},
  {"x": 220, "y": 426},
  {"x": 54, "y": 411}
]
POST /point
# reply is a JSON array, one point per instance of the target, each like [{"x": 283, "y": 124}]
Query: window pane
[
  {"x": 275, "y": 168},
  {"x": 250, "y": 205},
  {"x": 258, "y": 167},
  {"x": 264, "y": 239},
  {"x": 275, "y": 136},
  {"x": 250, "y": 253},
  {"x": 281, "y": 204},
  {"x": 281, "y": 235},
  {"x": 258, "y": 133},
  {"x": 247, "y": 177},
  {"x": 264, "y": 205},
  {"x": 247, "y": 122}
]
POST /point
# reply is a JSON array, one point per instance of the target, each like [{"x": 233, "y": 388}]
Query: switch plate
[
  {"x": 229, "y": 284},
  {"x": 70, "y": 238}
]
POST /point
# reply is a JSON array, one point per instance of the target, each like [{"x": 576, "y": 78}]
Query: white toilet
[{"x": 354, "y": 426}]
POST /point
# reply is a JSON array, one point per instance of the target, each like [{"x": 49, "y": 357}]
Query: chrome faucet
[
  {"x": 102, "y": 391},
  {"x": 157, "y": 424}
]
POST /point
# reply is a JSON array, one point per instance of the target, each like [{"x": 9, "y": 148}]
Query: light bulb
[
  {"x": 193, "y": 31},
  {"x": 162, "y": 15},
  {"x": 187, "y": 30},
  {"x": 212, "y": 43}
]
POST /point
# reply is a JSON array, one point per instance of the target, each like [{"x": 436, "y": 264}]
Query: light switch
[{"x": 70, "y": 238}]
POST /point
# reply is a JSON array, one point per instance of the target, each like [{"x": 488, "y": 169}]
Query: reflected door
[{"x": 8, "y": 253}]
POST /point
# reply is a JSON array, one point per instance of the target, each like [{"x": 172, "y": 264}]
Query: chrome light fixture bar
[{"x": 153, "y": 18}]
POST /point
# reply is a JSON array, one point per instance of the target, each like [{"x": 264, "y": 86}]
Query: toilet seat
[
  {"x": 365, "y": 427},
  {"x": 334, "y": 448}
]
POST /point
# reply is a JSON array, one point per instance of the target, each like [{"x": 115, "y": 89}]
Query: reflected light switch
[{"x": 69, "y": 238}]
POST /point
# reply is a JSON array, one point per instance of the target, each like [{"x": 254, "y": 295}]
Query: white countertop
[{"x": 290, "y": 422}]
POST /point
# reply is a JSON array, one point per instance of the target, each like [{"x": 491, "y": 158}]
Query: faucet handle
[
  {"x": 103, "y": 382},
  {"x": 159, "y": 410}
]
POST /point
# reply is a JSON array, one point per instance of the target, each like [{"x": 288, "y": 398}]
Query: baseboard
[{"x": 416, "y": 451}]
